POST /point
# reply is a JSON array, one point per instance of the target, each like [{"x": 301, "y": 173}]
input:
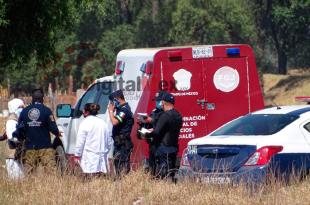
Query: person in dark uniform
[
  {"x": 166, "y": 135},
  {"x": 150, "y": 122},
  {"x": 122, "y": 120},
  {"x": 37, "y": 121}
]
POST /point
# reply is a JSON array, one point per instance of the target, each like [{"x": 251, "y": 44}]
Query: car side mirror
[{"x": 63, "y": 110}]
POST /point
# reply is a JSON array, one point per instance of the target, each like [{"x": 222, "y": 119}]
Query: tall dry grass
[
  {"x": 2, "y": 124},
  {"x": 139, "y": 188}
]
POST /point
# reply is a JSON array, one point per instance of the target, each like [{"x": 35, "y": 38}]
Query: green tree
[
  {"x": 96, "y": 17},
  {"x": 212, "y": 22},
  {"x": 3, "y": 21},
  {"x": 23, "y": 76},
  {"x": 153, "y": 23},
  {"x": 30, "y": 28},
  {"x": 112, "y": 41},
  {"x": 287, "y": 23}
]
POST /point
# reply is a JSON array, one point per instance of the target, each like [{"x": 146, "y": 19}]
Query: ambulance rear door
[
  {"x": 184, "y": 78},
  {"x": 227, "y": 89}
]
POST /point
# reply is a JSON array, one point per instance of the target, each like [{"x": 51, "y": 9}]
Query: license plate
[
  {"x": 202, "y": 52},
  {"x": 215, "y": 180}
]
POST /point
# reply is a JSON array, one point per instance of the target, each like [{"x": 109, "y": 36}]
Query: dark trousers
[
  {"x": 166, "y": 162},
  {"x": 152, "y": 159},
  {"x": 122, "y": 150}
]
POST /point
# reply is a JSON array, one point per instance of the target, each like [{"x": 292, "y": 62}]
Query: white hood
[{"x": 14, "y": 104}]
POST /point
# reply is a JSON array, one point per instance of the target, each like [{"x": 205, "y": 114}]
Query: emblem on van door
[
  {"x": 182, "y": 79},
  {"x": 226, "y": 79}
]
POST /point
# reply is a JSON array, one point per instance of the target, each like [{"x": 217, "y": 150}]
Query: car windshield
[{"x": 257, "y": 124}]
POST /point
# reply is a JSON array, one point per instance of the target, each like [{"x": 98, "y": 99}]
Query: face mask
[
  {"x": 159, "y": 105},
  {"x": 116, "y": 103},
  {"x": 18, "y": 111}
]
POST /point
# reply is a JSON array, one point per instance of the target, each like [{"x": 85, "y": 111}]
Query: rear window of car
[{"x": 258, "y": 124}]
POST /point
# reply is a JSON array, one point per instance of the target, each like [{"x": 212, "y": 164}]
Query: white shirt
[
  {"x": 93, "y": 144},
  {"x": 10, "y": 127}
]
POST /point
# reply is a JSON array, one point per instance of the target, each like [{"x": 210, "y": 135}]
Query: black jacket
[{"x": 167, "y": 129}]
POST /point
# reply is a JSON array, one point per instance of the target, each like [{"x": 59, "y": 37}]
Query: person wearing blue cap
[
  {"x": 122, "y": 120},
  {"x": 166, "y": 135}
]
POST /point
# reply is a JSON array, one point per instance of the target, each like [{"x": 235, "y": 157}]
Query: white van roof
[
  {"x": 150, "y": 52},
  {"x": 143, "y": 52},
  {"x": 109, "y": 78}
]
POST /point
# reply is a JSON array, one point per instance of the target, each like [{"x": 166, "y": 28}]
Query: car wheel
[{"x": 61, "y": 159}]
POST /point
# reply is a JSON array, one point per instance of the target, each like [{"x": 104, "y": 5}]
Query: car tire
[{"x": 61, "y": 160}]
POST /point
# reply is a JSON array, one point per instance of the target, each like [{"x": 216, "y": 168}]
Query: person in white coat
[
  {"x": 13, "y": 166},
  {"x": 93, "y": 143}
]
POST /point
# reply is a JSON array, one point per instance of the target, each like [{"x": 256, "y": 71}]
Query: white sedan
[{"x": 273, "y": 140}]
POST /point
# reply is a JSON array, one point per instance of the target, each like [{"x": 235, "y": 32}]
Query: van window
[
  {"x": 106, "y": 89},
  {"x": 307, "y": 126},
  {"x": 257, "y": 124},
  {"x": 89, "y": 97},
  {"x": 103, "y": 102}
]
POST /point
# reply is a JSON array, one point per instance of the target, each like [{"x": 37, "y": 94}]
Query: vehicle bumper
[{"x": 245, "y": 175}]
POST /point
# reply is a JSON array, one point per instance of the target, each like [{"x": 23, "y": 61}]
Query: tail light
[
  {"x": 119, "y": 68},
  {"x": 303, "y": 99},
  {"x": 147, "y": 67},
  {"x": 184, "y": 160},
  {"x": 175, "y": 55},
  {"x": 263, "y": 155}
]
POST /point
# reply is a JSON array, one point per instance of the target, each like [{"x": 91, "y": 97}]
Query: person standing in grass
[
  {"x": 93, "y": 143},
  {"x": 150, "y": 122},
  {"x": 13, "y": 166},
  {"x": 122, "y": 119},
  {"x": 36, "y": 122},
  {"x": 166, "y": 135}
]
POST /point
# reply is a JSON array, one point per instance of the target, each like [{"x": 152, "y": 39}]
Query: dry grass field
[
  {"x": 282, "y": 89},
  {"x": 139, "y": 188}
]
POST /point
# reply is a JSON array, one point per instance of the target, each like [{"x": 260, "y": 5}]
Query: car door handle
[{"x": 65, "y": 124}]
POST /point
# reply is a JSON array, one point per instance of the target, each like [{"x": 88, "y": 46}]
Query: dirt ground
[{"x": 282, "y": 89}]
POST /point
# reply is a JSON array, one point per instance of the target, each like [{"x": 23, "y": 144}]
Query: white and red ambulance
[{"x": 212, "y": 85}]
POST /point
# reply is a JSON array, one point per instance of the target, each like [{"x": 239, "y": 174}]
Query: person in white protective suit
[
  {"x": 13, "y": 165},
  {"x": 93, "y": 143}
]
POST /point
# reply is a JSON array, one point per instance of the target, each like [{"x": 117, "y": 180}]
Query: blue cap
[
  {"x": 167, "y": 97},
  {"x": 159, "y": 95}
]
